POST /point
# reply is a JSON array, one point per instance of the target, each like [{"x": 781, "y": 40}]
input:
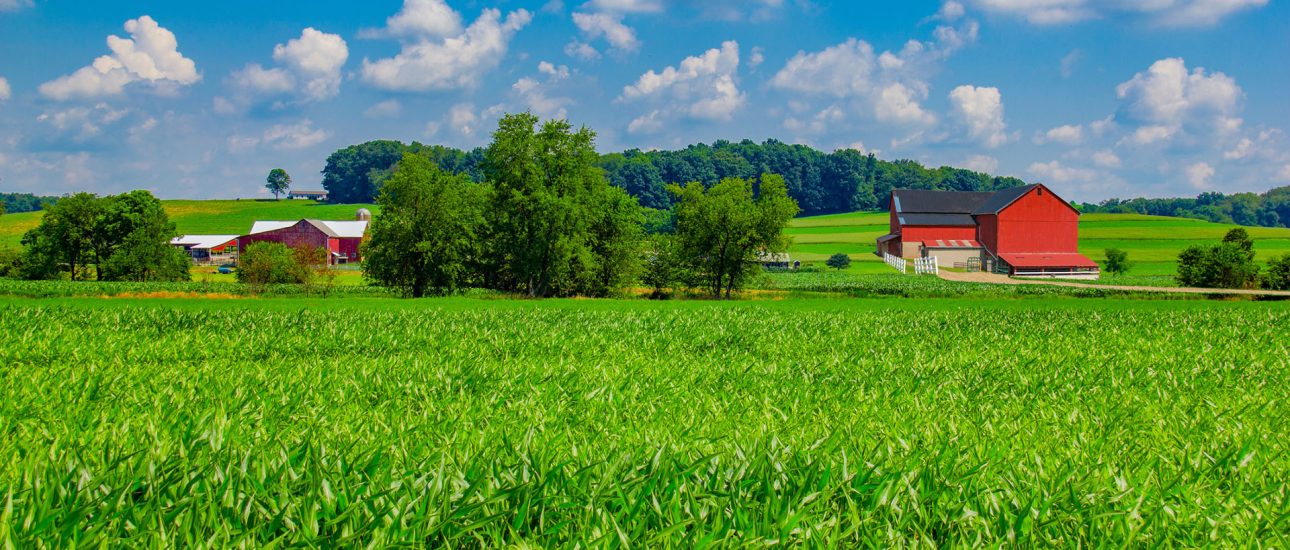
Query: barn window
[{"x": 1040, "y": 191}]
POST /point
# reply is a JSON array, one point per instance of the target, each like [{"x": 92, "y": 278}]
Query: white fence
[
  {"x": 894, "y": 261},
  {"x": 926, "y": 266}
]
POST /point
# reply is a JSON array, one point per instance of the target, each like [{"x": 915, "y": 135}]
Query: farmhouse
[
  {"x": 208, "y": 249},
  {"x": 307, "y": 195},
  {"x": 1024, "y": 231},
  {"x": 340, "y": 238}
]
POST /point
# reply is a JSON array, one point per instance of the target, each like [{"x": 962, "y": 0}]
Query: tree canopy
[
  {"x": 722, "y": 231},
  {"x": 123, "y": 237},
  {"x": 278, "y": 182},
  {"x": 428, "y": 234}
]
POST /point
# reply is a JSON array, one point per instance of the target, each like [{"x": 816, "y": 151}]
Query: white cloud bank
[
  {"x": 5, "y": 91},
  {"x": 150, "y": 55},
  {"x": 1173, "y": 13}
]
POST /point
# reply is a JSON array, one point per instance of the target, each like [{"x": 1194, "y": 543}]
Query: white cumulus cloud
[
  {"x": 607, "y": 26},
  {"x": 450, "y": 63},
  {"x": 1069, "y": 134},
  {"x": 419, "y": 19},
  {"x": 150, "y": 55},
  {"x": 980, "y": 109},
  {"x": 5, "y": 91},
  {"x": 890, "y": 85},
  {"x": 701, "y": 87}
]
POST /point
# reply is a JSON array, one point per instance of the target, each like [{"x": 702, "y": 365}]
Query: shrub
[
  {"x": 1117, "y": 261},
  {"x": 1278, "y": 276},
  {"x": 1226, "y": 265},
  {"x": 839, "y": 261},
  {"x": 269, "y": 263}
]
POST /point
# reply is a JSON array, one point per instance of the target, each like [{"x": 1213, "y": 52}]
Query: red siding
[
  {"x": 298, "y": 235},
  {"x": 932, "y": 233},
  {"x": 988, "y": 231},
  {"x": 348, "y": 247},
  {"x": 1039, "y": 221}
]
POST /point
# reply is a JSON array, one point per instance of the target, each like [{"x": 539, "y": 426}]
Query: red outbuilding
[
  {"x": 340, "y": 238},
  {"x": 1023, "y": 231}
]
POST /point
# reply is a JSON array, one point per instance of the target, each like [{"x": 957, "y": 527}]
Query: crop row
[{"x": 481, "y": 423}]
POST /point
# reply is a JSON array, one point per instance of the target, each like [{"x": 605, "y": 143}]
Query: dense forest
[
  {"x": 1270, "y": 209},
  {"x": 14, "y": 203},
  {"x": 821, "y": 183}
]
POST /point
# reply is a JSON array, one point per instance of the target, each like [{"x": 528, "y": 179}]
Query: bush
[
  {"x": 1117, "y": 261},
  {"x": 839, "y": 261},
  {"x": 1278, "y": 277},
  {"x": 269, "y": 263},
  {"x": 1229, "y": 264}
]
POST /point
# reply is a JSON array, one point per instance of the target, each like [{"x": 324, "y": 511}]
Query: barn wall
[
  {"x": 988, "y": 231},
  {"x": 348, "y": 247},
  {"x": 301, "y": 234},
  {"x": 934, "y": 233},
  {"x": 1037, "y": 223},
  {"x": 947, "y": 257}
]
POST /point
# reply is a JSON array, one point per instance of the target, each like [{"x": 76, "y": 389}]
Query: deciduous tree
[
  {"x": 556, "y": 228},
  {"x": 278, "y": 182},
  {"x": 427, "y": 236},
  {"x": 722, "y": 230}
]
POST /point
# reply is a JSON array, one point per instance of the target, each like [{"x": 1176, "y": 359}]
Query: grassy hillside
[
  {"x": 1153, "y": 242},
  {"x": 207, "y": 217}
]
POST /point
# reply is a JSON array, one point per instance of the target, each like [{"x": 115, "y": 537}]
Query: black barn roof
[
  {"x": 1003, "y": 198},
  {"x": 917, "y": 201}
]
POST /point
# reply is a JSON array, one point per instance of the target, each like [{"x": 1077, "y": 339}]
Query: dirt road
[{"x": 1005, "y": 280}]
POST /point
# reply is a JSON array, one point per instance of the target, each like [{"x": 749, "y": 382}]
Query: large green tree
[
  {"x": 64, "y": 240},
  {"x": 123, "y": 237},
  {"x": 428, "y": 234},
  {"x": 354, "y": 174},
  {"x": 556, "y": 226},
  {"x": 132, "y": 241},
  {"x": 278, "y": 182},
  {"x": 722, "y": 230}
]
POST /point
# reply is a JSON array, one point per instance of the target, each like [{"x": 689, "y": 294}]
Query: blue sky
[{"x": 1098, "y": 98}]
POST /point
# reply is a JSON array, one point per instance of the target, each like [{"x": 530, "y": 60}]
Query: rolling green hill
[
  {"x": 207, "y": 217},
  {"x": 1153, "y": 242}
]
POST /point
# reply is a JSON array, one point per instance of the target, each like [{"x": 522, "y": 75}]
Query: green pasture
[
  {"x": 232, "y": 217},
  {"x": 376, "y": 422}
]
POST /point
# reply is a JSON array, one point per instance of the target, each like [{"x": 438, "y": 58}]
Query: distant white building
[{"x": 307, "y": 195}]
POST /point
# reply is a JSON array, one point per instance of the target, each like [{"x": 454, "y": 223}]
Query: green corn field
[{"x": 483, "y": 423}]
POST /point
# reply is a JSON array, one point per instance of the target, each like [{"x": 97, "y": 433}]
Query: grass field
[
  {"x": 456, "y": 422},
  {"x": 207, "y": 217},
  {"x": 1153, "y": 242}
]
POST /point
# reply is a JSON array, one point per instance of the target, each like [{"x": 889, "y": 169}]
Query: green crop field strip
[{"x": 482, "y": 423}]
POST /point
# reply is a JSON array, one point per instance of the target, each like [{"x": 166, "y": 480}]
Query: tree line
[
  {"x": 821, "y": 183},
  {"x": 122, "y": 237},
  {"x": 13, "y": 203},
  {"x": 1270, "y": 209},
  {"x": 542, "y": 219}
]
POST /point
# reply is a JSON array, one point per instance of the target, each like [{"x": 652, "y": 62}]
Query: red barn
[
  {"x": 1023, "y": 231},
  {"x": 340, "y": 238}
]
